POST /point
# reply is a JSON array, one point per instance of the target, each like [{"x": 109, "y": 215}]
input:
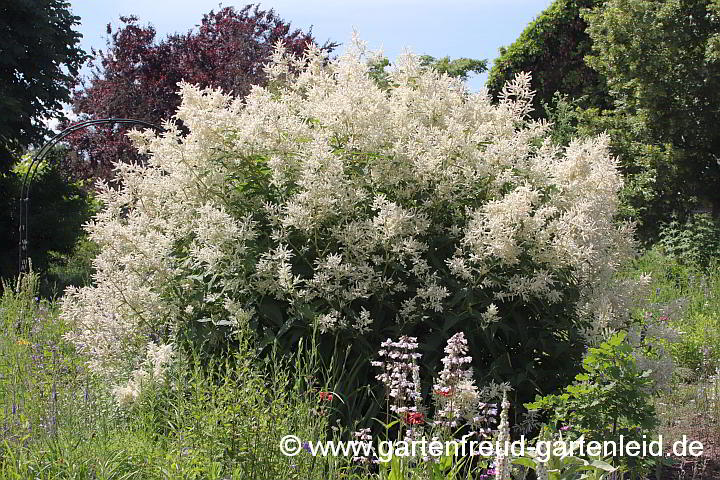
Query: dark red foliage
[{"x": 137, "y": 77}]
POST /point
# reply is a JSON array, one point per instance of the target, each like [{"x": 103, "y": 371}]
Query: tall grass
[
  {"x": 687, "y": 298},
  {"x": 208, "y": 420}
]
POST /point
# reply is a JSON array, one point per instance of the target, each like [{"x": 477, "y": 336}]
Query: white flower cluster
[
  {"x": 157, "y": 358},
  {"x": 400, "y": 374},
  {"x": 455, "y": 392},
  {"x": 330, "y": 194},
  {"x": 363, "y": 435},
  {"x": 502, "y": 461}
]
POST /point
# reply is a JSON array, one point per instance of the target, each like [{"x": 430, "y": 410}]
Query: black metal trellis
[{"x": 24, "y": 202}]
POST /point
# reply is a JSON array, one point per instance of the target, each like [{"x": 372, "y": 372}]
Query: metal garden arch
[{"x": 24, "y": 202}]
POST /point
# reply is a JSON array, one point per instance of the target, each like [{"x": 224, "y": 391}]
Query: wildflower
[
  {"x": 502, "y": 462},
  {"x": 455, "y": 392},
  {"x": 565, "y": 428},
  {"x": 400, "y": 373},
  {"x": 326, "y": 396},
  {"x": 414, "y": 418},
  {"x": 157, "y": 358},
  {"x": 443, "y": 392},
  {"x": 363, "y": 435}
]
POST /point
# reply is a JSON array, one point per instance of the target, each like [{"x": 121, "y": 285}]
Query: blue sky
[{"x": 458, "y": 28}]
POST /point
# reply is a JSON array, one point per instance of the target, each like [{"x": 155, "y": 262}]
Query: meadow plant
[
  {"x": 157, "y": 359},
  {"x": 207, "y": 418},
  {"x": 458, "y": 408},
  {"x": 326, "y": 203},
  {"x": 456, "y": 395},
  {"x": 400, "y": 375}
]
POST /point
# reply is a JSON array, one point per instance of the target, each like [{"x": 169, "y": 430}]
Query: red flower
[
  {"x": 414, "y": 418},
  {"x": 326, "y": 396},
  {"x": 443, "y": 392}
]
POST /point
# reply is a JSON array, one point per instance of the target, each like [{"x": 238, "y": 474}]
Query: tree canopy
[
  {"x": 661, "y": 62},
  {"x": 646, "y": 72},
  {"x": 39, "y": 57},
  {"x": 137, "y": 76},
  {"x": 552, "y": 48}
]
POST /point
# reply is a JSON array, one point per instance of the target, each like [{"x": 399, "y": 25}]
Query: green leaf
[
  {"x": 603, "y": 465},
  {"x": 525, "y": 462}
]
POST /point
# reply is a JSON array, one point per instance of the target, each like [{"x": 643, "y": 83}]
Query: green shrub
[
  {"x": 686, "y": 299},
  {"x": 73, "y": 268},
  {"x": 694, "y": 242},
  {"x": 609, "y": 399},
  {"x": 58, "y": 208}
]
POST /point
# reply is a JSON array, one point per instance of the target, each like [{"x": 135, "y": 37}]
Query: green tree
[
  {"x": 459, "y": 68},
  {"x": 643, "y": 71},
  {"x": 552, "y": 48},
  {"x": 660, "y": 59},
  {"x": 39, "y": 57},
  {"x": 58, "y": 209}
]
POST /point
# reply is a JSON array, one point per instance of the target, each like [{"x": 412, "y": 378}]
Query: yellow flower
[{"x": 22, "y": 341}]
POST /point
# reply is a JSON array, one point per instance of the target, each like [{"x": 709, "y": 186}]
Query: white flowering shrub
[
  {"x": 326, "y": 203},
  {"x": 158, "y": 357}
]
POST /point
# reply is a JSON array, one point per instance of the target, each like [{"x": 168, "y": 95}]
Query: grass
[
  {"x": 224, "y": 420},
  {"x": 210, "y": 421},
  {"x": 687, "y": 299}
]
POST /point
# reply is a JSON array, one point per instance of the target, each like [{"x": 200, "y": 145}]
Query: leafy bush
[
  {"x": 695, "y": 242},
  {"x": 609, "y": 399},
  {"x": 684, "y": 301},
  {"x": 73, "y": 268},
  {"x": 57, "y": 211},
  {"x": 324, "y": 203}
]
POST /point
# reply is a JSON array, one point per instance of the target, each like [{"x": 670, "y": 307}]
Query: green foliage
[
  {"x": 610, "y": 398},
  {"x": 74, "y": 268},
  {"x": 208, "y": 421},
  {"x": 44, "y": 387},
  {"x": 58, "y": 209},
  {"x": 563, "y": 113},
  {"x": 39, "y": 57},
  {"x": 459, "y": 68},
  {"x": 552, "y": 48},
  {"x": 686, "y": 299},
  {"x": 570, "y": 467},
  {"x": 645, "y": 72},
  {"x": 661, "y": 67},
  {"x": 228, "y": 419},
  {"x": 377, "y": 72},
  {"x": 652, "y": 172},
  {"x": 694, "y": 242}
]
